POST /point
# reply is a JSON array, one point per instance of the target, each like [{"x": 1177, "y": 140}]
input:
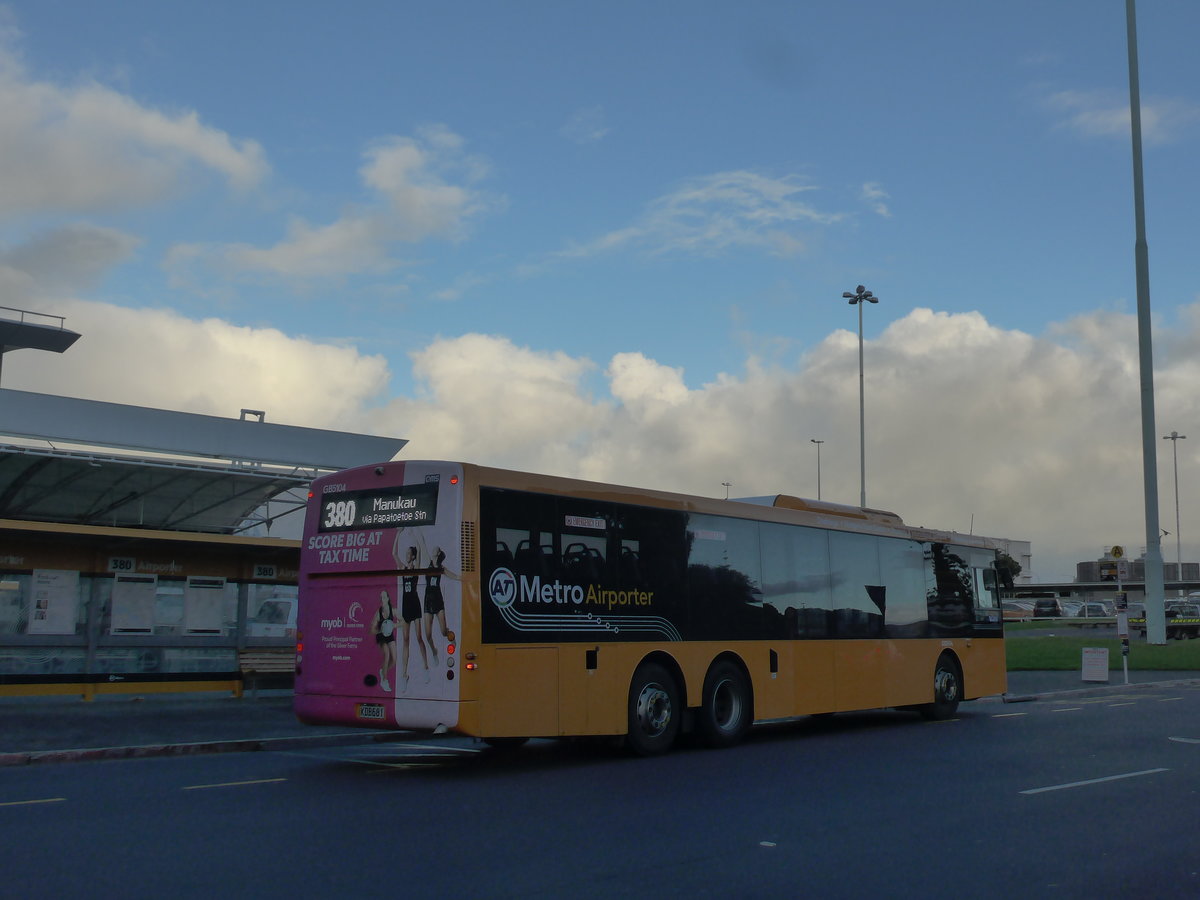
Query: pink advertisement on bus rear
[{"x": 380, "y": 596}]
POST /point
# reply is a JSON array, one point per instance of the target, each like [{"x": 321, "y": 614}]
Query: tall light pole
[
  {"x": 818, "y": 443},
  {"x": 1156, "y": 621},
  {"x": 1175, "y": 437},
  {"x": 861, "y": 296}
]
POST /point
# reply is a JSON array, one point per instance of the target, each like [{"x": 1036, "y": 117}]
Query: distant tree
[{"x": 1008, "y": 569}]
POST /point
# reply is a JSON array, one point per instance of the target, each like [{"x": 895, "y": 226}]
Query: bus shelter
[{"x": 149, "y": 550}]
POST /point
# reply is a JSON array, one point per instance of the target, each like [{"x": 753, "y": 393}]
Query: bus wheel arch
[
  {"x": 656, "y": 706},
  {"x": 947, "y": 688},
  {"x": 727, "y": 704}
]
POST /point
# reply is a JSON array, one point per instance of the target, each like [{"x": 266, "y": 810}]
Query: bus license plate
[{"x": 370, "y": 711}]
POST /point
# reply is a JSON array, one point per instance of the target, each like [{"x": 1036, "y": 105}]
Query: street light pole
[
  {"x": 818, "y": 443},
  {"x": 1156, "y": 622},
  {"x": 1175, "y": 437},
  {"x": 861, "y": 296}
]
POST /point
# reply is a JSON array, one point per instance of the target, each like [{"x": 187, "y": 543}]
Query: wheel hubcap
[
  {"x": 945, "y": 685},
  {"x": 727, "y": 705},
  {"x": 654, "y": 709}
]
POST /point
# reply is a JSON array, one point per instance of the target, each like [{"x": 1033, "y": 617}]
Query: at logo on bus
[{"x": 502, "y": 587}]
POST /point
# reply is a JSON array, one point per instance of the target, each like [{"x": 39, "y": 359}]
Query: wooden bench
[{"x": 265, "y": 661}]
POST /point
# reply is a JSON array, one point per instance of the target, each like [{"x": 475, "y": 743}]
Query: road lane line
[
  {"x": 1130, "y": 703},
  {"x": 1075, "y": 784},
  {"x": 1068, "y": 709},
  {"x": 201, "y": 787},
  {"x": 1184, "y": 740},
  {"x": 1168, "y": 699},
  {"x": 32, "y": 802}
]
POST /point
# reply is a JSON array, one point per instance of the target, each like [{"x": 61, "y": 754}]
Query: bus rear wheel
[
  {"x": 727, "y": 709},
  {"x": 654, "y": 710},
  {"x": 947, "y": 690}
]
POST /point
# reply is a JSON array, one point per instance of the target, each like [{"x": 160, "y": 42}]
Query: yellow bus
[{"x": 504, "y": 605}]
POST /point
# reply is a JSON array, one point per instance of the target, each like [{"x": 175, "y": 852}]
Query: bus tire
[
  {"x": 654, "y": 710},
  {"x": 727, "y": 710},
  {"x": 947, "y": 689}
]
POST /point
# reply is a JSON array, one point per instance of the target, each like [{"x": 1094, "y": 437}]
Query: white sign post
[{"x": 1095, "y": 664}]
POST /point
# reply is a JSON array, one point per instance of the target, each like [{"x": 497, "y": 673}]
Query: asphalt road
[{"x": 1080, "y": 797}]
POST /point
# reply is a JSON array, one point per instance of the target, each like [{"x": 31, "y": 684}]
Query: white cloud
[
  {"x": 1026, "y": 437},
  {"x": 62, "y": 261},
  {"x": 412, "y": 200},
  {"x": 586, "y": 126},
  {"x": 874, "y": 196},
  {"x": 1104, "y": 114},
  {"x": 715, "y": 213},
  {"x": 89, "y": 147},
  {"x": 160, "y": 359}
]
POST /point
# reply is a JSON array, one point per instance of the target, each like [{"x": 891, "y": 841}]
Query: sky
[{"x": 611, "y": 240}]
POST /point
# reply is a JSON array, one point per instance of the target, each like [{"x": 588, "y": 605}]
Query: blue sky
[{"x": 585, "y": 237}]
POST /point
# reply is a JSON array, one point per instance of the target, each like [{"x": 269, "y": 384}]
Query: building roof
[{"x": 85, "y": 462}]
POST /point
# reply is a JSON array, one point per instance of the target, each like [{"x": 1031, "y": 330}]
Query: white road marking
[
  {"x": 1075, "y": 784},
  {"x": 32, "y": 802},
  {"x": 201, "y": 787}
]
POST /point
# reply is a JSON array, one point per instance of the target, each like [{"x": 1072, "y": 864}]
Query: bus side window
[
  {"x": 535, "y": 559},
  {"x": 503, "y": 557},
  {"x": 629, "y": 563}
]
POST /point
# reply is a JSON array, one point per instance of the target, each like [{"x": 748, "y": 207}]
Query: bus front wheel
[
  {"x": 654, "y": 710},
  {"x": 727, "y": 709},
  {"x": 947, "y": 690}
]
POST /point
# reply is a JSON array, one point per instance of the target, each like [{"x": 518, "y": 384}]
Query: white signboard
[
  {"x": 55, "y": 602},
  {"x": 133, "y": 601},
  {"x": 1095, "y": 664},
  {"x": 203, "y": 605}
]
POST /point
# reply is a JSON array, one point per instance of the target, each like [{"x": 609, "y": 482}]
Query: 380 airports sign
[{"x": 397, "y": 507}]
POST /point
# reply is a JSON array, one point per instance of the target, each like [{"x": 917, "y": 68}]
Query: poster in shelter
[
  {"x": 55, "y": 602},
  {"x": 203, "y": 602},
  {"x": 133, "y": 602}
]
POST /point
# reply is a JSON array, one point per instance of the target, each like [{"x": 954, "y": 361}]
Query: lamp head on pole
[{"x": 861, "y": 295}]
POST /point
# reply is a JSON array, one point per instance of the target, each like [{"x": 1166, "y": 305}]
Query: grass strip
[{"x": 1052, "y": 651}]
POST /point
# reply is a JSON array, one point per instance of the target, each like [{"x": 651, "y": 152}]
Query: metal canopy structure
[
  {"x": 185, "y": 472},
  {"x": 20, "y": 334},
  {"x": 89, "y": 489}
]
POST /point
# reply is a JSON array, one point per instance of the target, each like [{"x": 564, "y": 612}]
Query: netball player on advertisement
[
  {"x": 410, "y": 611},
  {"x": 383, "y": 626},
  {"x": 435, "y": 606}
]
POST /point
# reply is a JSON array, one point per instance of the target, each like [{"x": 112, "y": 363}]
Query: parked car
[
  {"x": 1183, "y": 621},
  {"x": 1017, "y": 611},
  {"x": 1047, "y": 608}
]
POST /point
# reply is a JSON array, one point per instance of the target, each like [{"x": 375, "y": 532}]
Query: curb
[
  {"x": 1096, "y": 690},
  {"x": 89, "y": 754}
]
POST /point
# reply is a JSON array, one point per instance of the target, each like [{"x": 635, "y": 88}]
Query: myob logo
[{"x": 502, "y": 587}]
